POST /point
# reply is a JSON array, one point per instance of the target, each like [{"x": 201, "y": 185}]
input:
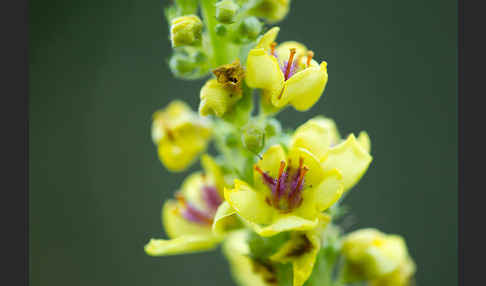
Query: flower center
[
  {"x": 190, "y": 212},
  {"x": 286, "y": 189}
]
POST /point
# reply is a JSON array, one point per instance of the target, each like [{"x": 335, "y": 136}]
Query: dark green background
[{"x": 98, "y": 71}]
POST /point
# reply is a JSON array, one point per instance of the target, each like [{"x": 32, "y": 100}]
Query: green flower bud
[
  {"x": 251, "y": 27},
  {"x": 220, "y": 29},
  {"x": 253, "y": 137},
  {"x": 226, "y": 11},
  {"x": 272, "y": 127},
  {"x": 271, "y": 10},
  {"x": 231, "y": 140},
  {"x": 186, "y": 31},
  {"x": 181, "y": 64}
]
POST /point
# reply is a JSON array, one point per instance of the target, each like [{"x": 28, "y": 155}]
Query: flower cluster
[{"x": 270, "y": 197}]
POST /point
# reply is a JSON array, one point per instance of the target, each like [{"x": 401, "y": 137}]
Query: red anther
[
  {"x": 301, "y": 178},
  {"x": 180, "y": 198},
  {"x": 272, "y": 48},
  {"x": 266, "y": 178},
  {"x": 280, "y": 172},
  {"x": 289, "y": 63}
]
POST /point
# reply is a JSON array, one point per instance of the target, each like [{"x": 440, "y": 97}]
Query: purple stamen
[
  {"x": 191, "y": 213},
  {"x": 286, "y": 189},
  {"x": 293, "y": 68}
]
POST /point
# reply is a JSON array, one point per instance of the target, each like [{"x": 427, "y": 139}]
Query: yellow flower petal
[
  {"x": 330, "y": 190},
  {"x": 315, "y": 173},
  {"x": 364, "y": 141},
  {"x": 176, "y": 226},
  {"x": 217, "y": 99},
  {"x": 399, "y": 277},
  {"x": 350, "y": 159},
  {"x": 248, "y": 203},
  {"x": 284, "y": 222},
  {"x": 374, "y": 252},
  {"x": 283, "y": 50},
  {"x": 243, "y": 269},
  {"x": 181, "y": 245},
  {"x": 214, "y": 174},
  {"x": 176, "y": 112},
  {"x": 224, "y": 219},
  {"x": 269, "y": 163},
  {"x": 313, "y": 137},
  {"x": 191, "y": 190},
  {"x": 330, "y": 125},
  {"x": 268, "y": 38},
  {"x": 304, "y": 88},
  {"x": 301, "y": 250},
  {"x": 181, "y": 149},
  {"x": 271, "y": 10},
  {"x": 263, "y": 71}
]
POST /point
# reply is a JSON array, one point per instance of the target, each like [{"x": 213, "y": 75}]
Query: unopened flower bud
[
  {"x": 226, "y": 11},
  {"x": 220, "y": 29},
  {"x": 216, "y": 99},
  {"x": 272, "y": 127},
  {"x": 253, "y": 137},
  {"x": 181, "y": 65},
  {"x": 271, "y": 10},
  {"x": 186, "y": 30},
  {"x": 251, "y": 27},
  {"x": 231, "y": 140}
]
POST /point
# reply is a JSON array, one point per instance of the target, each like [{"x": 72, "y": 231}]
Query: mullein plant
[{"x": 270, "y": 197}]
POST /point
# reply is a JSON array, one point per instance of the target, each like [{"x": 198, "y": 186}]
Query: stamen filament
[
  {"x": 280, "y": 172},
  {"x": 301, "y": 177},
  {"x": 310, "y": 54},
  {"x": 272, "y": 48},
  {"x": 289, "y": 63}
]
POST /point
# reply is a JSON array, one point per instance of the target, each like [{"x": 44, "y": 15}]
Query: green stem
[{"x": 220, "y": 48}]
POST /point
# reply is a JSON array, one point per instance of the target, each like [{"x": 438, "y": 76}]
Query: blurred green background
[{"x": 98, "y": 70}]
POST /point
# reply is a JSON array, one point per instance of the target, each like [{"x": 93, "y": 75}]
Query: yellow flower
[
  {"x": 245, "y": 270},
  {"x": 188, "y": 220},
  {"x": 219, "y": 95},
  {"x": 301, "y": 251},
  {"x": 271, "y": 10},
  {"x": 286, "y": 73},
  {"x": 290, "y": 191},
  {"x": 400, "y": 277},
  {"x": 373, "y": 255},
  {"x": 180, "y": 135},
  {"x": 320, "y": 136}
]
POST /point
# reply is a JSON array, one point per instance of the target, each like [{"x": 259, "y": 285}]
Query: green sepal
[
  {"x": 261, "y": 248},
  {"x": 241, "y": 112}
]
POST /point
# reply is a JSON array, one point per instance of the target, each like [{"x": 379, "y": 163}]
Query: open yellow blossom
[
  {"x": 350, "y": 156},
  {"x": 180, "y": 135},
  {"x": 245, "y": 270},
  {"x": 286, "y": 73},
  {"x": 402, "y": 276},
  {"x": 188, "y": 219},
  {"x": 374, "y": 256},
  {"x": 290, "y": 190}
]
